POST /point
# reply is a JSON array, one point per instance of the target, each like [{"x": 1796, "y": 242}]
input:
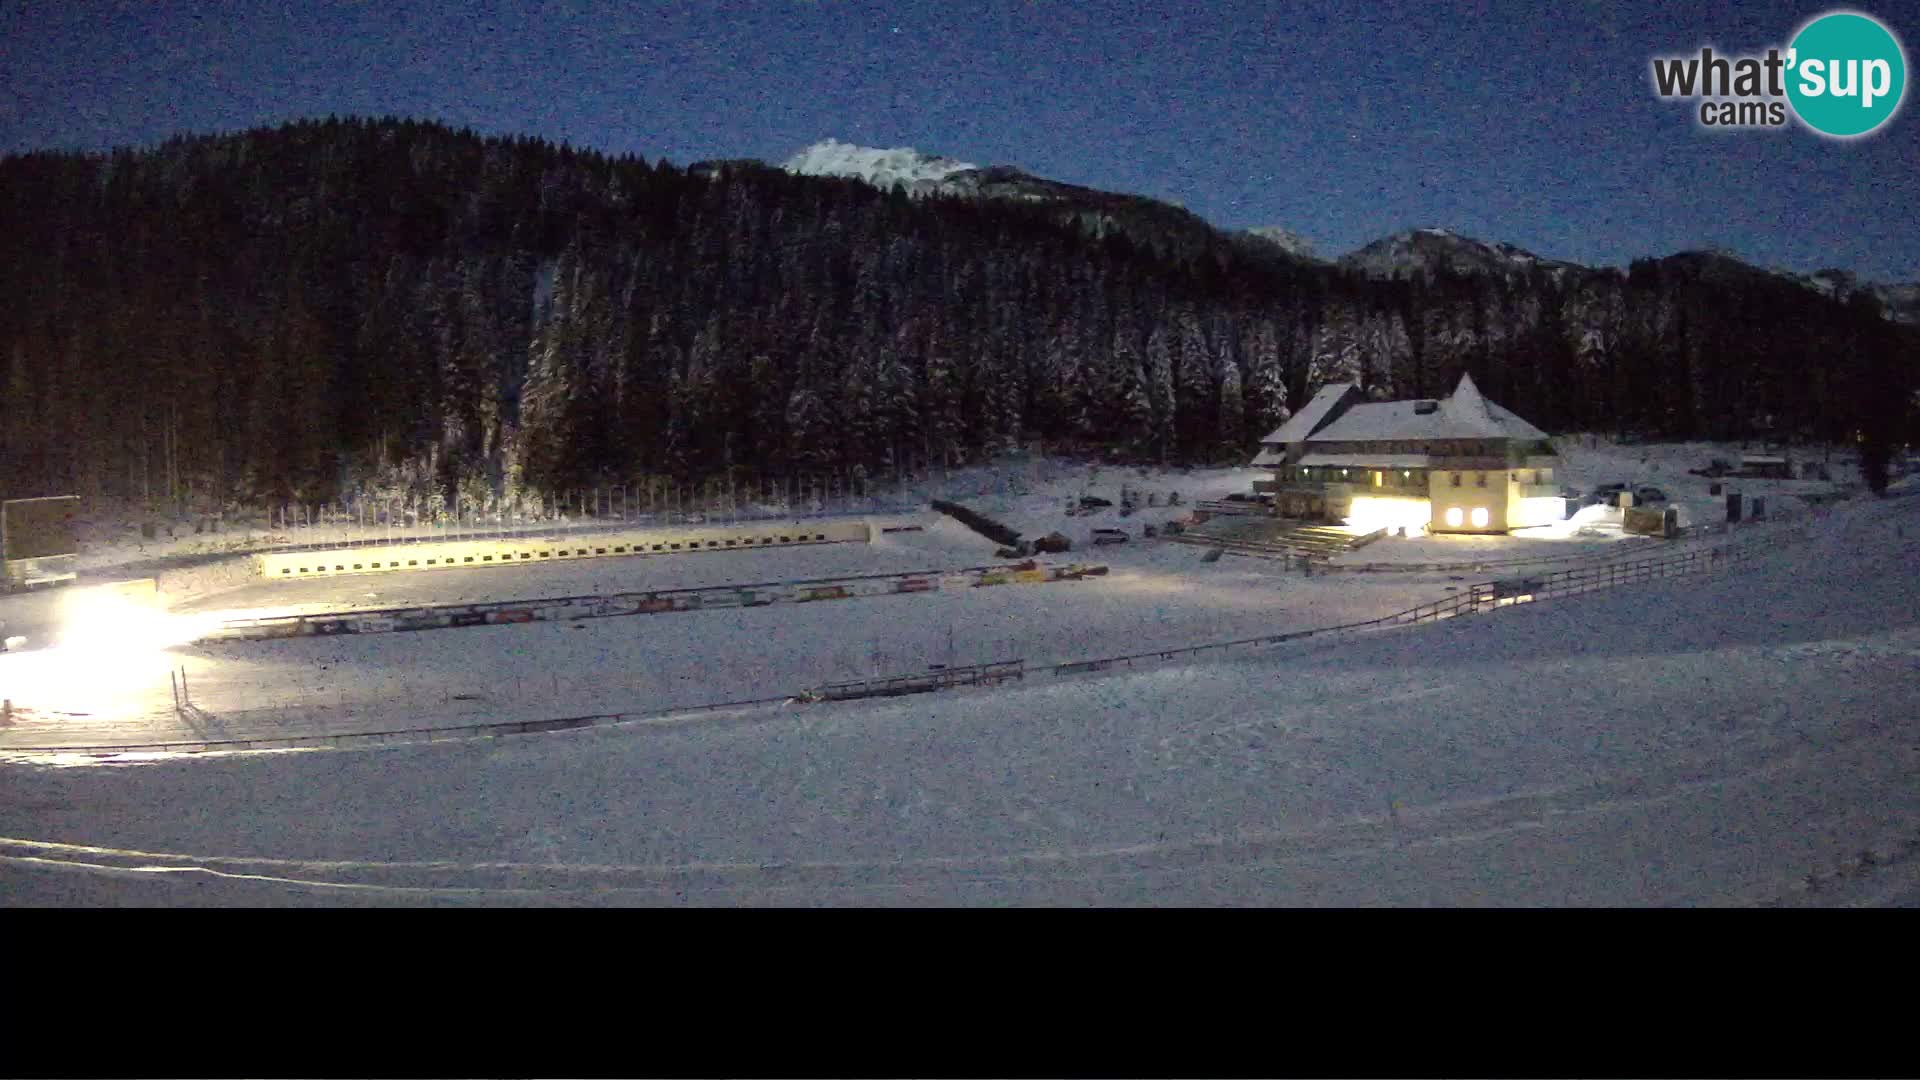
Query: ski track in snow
[{"x": 1719, "y": 739}]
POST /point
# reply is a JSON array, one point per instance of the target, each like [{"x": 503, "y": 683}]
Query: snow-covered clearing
[
  {"x": 1027, "y": 493},
  {"x": 1157, "y": 596},
  {"x": 1588, "y": 461},
  {"x": 1728, "y": 739}
]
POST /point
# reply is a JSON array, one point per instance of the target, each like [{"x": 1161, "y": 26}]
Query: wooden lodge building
[{"x": 1459, "y": 464}]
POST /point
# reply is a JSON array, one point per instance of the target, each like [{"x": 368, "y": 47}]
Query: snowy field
[
  {"x": 1738, "y": 739},
  {"x": 1159, "y": 595},
  {"x": 1247, "y": 763},
  {"x": 1156, "y": 596}
]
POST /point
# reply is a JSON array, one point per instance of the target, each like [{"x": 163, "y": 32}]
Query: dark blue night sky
[{"x": 1530, "y": 123}]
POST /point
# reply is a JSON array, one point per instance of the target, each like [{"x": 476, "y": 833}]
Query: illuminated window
[
  {"x": 1453, "y": 517},
  {"x": 1377, "y": 478},
  {"x": 1479, "y": 517}
]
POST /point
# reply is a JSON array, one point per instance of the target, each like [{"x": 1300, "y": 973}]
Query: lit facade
[{"x": 1459, "y": 464}]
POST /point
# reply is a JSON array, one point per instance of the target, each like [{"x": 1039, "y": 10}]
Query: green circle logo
[{"x": 1846, "y": 74}]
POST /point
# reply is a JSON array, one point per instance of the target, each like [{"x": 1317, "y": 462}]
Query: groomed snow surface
[{"x": 1745, "y": 738}]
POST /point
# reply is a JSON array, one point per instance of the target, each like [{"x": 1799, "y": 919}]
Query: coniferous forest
[{"x": 342, "y": 306}]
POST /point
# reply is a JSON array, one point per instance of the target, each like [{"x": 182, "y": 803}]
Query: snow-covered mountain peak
[
  {"x": 1900, "y": 301},
  {"x": 1290, "y": 242},
  {"x": 922, "y": 175},
  {"x": 882, "y": 168},
  {"x": 1420, "y": 251}
]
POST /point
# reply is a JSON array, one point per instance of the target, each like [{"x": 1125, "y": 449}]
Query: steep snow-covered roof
[
  {"x": 1311, "y": 415},
  {"x": 1465, "y": 414},
  {"x": 1397, "y": 420},
  {"x": 1467, "y": 408}
]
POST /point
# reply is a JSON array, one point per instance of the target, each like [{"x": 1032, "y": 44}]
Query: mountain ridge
[
  {"x": 1412, "y": 252},
  {"x": 400, "y": 309}
]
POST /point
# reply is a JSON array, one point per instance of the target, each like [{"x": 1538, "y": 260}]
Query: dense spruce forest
[{"x": 351, "y": 306}]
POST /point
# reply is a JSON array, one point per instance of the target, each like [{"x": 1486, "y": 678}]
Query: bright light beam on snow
[{"x": 108, "y": 657}]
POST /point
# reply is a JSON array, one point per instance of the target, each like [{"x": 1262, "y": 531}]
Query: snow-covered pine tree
[
  {"x": 1195, "y": 389},
  {"x": 900, "y": 405},
  {"x": 1266, "y": 389},
  {"x": 1160, "y": 396},
  {"x": 1232, "y": 439},
  {"x": 1336, "y": 346}
]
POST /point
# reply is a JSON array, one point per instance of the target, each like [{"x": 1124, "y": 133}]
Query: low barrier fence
[
  {"x": 566, "y": 608},
  {"x": 1478, "y": 565},
  {"x": 217, "y": 742},
  {"x": 941, "y": 678},
  {"x": 1483, "y": 597},
  {"x": 1692, "y": 533}
]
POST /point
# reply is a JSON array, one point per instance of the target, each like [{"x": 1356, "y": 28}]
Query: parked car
[
  {"x": 1649, "y": 494},
  {"x": 1109, "y": 536},
  {"x": 1606, "y": 494}
]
